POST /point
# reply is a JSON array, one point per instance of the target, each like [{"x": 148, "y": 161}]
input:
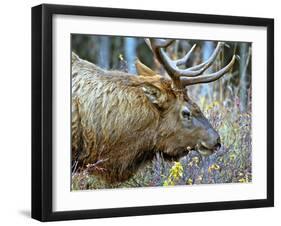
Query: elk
[{"x": 120, "y": 120}]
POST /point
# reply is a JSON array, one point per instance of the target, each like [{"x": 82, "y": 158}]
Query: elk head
[{"x": 188, "y": 129}]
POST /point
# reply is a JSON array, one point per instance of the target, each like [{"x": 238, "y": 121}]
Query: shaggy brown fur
[{"x": 121, "y": 120}]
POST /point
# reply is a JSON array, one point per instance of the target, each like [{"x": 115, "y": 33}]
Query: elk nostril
[{"x": 218, "y": 146}]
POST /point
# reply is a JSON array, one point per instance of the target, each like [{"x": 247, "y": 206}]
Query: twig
[{"x": 93, "y": 166}]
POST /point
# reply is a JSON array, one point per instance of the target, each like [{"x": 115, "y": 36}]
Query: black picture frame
[{"x": 42, "y": 106}]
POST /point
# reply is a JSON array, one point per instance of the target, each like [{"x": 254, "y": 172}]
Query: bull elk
[{"x": 120, "y": 121}]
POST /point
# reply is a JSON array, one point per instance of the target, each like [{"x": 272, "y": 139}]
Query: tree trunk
[
  {"x": 130, "y": 54},
  {"x": 104, "y": 52},
  {"x": 243, "y": 76},
  {"x": 207, "y": 50}
]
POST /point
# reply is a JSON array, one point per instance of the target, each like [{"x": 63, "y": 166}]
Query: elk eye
[{"x": 186, "y": 114}]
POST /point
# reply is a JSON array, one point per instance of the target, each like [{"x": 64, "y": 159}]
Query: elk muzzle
[{"x": 211, "y": 144}]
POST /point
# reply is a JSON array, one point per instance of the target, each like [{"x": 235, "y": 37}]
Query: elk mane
[{"x": 113, "y": 117}]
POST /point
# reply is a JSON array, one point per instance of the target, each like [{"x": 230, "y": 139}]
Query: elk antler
[{"x": 188, "y": 76}]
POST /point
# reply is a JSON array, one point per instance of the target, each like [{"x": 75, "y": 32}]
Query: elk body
[{"x": 120, "y": 121}]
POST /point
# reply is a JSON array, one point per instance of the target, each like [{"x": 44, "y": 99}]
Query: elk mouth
[{"x": 204, "y": 149}]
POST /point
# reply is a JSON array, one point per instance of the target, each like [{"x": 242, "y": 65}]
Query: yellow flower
[
  {"x": 213, "y": 167},
  {"x": 232, "y": 157},
  {"x": 212, "y": 105},
  {"x": 168, "y": 182},
  {"x": 189, "y": 181},
  {"x": 177, "y": 170},
  {"x": 242, "y": 180},
  {"x": 176, "y": 173}
]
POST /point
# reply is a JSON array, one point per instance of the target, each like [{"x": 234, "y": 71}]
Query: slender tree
[
  {"x": 104, "y": 53},
  {"x": 244, "y": 55},
  {"x": 130, "y": 46}
]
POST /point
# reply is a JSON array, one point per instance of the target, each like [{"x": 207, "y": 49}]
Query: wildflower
[
  {"x": 232, "y": 157},
  {"x": 189, "y": 181},
  {"x": 176, "y": 173},
  {"x": 242, "y": 180},
  {"x": 194, "y": 161},
  {"x": 213, "y": 167},
  {"x": 177, "y": 170}
]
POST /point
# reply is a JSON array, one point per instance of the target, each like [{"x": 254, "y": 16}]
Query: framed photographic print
[{"x": 147, "y": 112}]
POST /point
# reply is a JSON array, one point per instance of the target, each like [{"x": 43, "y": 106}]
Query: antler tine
[
  {"x": 171, "y": 65},
  {"x": 189, "y": 76},
  {"x": 185, "y": 81},
  {"x": 183, "y": 60},
  {"x": 200, "y": 68},
  {"x": 162, "y": 43},
  {"x": 158, "y": 46},
  {"x": 211, "y": 59}
]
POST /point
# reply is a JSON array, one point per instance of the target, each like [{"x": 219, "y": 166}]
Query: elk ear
[
  {"x": 143, "y": 69},
  {"x": 74, "y": 57},
  {"x": 154, "y": 94}
]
